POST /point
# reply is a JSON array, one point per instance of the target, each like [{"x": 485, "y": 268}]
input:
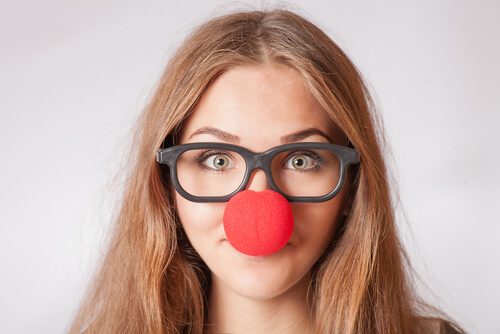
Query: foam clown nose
[{"x": 258, "y": 223}]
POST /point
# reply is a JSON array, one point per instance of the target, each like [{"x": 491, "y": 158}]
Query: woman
[{"x": 182, "y": 258}]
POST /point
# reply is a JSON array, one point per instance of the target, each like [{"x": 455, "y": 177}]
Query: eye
[
  {"x": 300, "y": 162},
  {"x": 219, "y": 162}
]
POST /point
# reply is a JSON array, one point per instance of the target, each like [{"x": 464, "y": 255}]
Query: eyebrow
[
  {"x": 291, "y": 138},
  {"x": 223, "y": 135},
  {"x": 300, "y": 135}
]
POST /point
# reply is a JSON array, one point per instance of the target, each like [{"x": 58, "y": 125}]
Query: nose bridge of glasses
[
  {"x": 258, "y": 172},
  {"x": 257, "y": 180}
]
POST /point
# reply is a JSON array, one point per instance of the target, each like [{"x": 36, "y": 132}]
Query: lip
[{"x": 252, "y": 257}]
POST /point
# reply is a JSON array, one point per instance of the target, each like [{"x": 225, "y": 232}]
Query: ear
[
  {"x": 347, "y": 200},
  {"x": 351, "y": 185},
  {"x": 347, "y": 210}
]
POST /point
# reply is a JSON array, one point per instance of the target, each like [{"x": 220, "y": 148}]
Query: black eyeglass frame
[{"x": 169, "y": 156}]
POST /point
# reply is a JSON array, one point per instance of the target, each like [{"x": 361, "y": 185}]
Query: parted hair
[{"x": 152, "y": 281}]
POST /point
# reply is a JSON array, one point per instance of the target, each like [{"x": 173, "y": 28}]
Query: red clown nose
[{"x": 258, "y": 223}]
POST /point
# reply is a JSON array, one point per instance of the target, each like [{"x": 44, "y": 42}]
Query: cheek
[
  {"x": 316, "y": 223},
  {"x": 199, "y": 219},
  {"x": 318, "y": 218}
]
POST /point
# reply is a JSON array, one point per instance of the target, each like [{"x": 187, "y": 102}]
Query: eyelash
[
  {"x": 204, "y": 155},
  {"x": 318, "y": 159}
]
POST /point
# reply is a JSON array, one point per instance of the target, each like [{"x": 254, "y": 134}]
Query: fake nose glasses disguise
[{"x": 258, "y": 223}]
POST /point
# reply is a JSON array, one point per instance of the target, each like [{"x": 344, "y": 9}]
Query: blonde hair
[{"x": 152, "y": 281}]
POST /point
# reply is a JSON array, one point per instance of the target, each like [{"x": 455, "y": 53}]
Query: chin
[
  {"x": 260, "y": 288},
  {"x": 262, "y": 278}
]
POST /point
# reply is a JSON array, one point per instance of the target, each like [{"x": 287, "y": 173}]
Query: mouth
[{"x": 253, "y": 257}]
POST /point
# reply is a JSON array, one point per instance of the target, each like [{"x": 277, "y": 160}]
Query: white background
[{"x": 75, "y": 74}]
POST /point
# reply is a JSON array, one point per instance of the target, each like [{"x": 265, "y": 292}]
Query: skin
[{"x": 259, "y": 106}]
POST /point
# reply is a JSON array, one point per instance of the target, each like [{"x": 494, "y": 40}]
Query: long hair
[{"x": 152, "y": 281}]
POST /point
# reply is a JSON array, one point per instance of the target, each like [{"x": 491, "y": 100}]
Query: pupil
[
  {"x": 299, "y": 162},
  {"x": 220, "y": 162}
]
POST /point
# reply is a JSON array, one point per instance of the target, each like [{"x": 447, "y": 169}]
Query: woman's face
[{"x": 258, "y": 106}]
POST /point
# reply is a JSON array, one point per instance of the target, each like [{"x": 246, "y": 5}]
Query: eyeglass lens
[{"x": 216, "y": 172}]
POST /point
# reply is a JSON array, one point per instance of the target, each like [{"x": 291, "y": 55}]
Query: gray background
[{"x": 75, "y": 74}]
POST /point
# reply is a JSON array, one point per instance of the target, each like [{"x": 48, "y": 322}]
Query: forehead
[{"x": 259, "y": 104}]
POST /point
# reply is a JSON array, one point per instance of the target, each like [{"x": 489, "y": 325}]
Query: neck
[{"x": 230, "y": 312}]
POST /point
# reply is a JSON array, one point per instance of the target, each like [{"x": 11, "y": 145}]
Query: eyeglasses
[{"x": 301, "y": 172}]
